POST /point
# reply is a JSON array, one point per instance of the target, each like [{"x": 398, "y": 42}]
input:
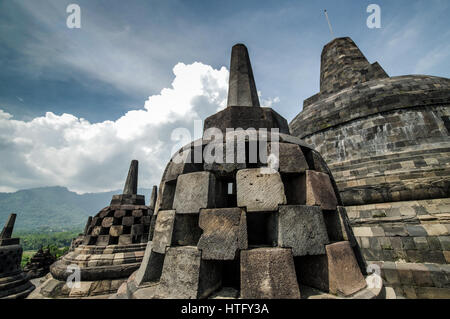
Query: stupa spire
[
  {"x": 9, "y": 227},
  {"x": 241, "y": 88},
  {"x": 132, "y": 179}
]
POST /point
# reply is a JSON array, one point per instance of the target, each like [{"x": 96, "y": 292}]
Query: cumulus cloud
[{"x": 92, "y": 157}]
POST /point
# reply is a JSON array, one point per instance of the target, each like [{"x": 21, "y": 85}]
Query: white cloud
[{"x": 91, "y": 157}]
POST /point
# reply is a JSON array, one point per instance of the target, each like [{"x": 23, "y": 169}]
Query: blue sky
[{"x": 126, "y": 52}]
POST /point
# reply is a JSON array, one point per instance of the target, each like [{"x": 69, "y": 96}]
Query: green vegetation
[
  {"x": 55, "y": 240},
  {"x": 26, "y": 256}
]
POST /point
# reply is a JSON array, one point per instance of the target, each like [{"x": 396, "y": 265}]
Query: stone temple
[
  {"x": 112, "y": 249},
  {"x": 267, "y": 226},
  {"x": 39, "y": 264},
  {"x": 386, "y": 141},
  {"x": 14, "y": 283}
]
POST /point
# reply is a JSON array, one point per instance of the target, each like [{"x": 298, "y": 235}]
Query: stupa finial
[
  {"x": 132, "y": 179},
  {"x": 9, "y": 227},
  {"x": 241, "y": 88}
]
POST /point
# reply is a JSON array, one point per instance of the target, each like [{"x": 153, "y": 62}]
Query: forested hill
[{"x": 53, "y": 208}]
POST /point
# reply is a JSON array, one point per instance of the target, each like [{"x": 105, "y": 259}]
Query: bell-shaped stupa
[
  {"x": 113, "y": 245},
  {"x": 14, "y": 283},
  {"x": 249, "y": 211}
]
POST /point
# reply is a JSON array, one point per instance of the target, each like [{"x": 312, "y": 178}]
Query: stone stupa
[
  {"x": 251, "y": 226},
  {"x": 387, "y": 142},
  {"x": 113, "y": 245},
  {"x": 39, "y": 264},
  {"x": 14, "y": 283}
]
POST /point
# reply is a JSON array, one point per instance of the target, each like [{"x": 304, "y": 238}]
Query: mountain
[{"x": 53, "y": 208}]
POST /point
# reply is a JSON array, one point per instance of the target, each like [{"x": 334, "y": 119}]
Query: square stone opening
[
  {"x": 114, "y": 240},
  {"x": 231, "y": 273},
  {"x": 225, "y": 192},
  {"x": 312, "y": 271},
  {"x": 262, "y": 229},
  {"x": 167, "y": 195},
  {"x": 126, "y": 230},
  {"x": 294, "y": 188},
  {"x": 186, "y": 231}
]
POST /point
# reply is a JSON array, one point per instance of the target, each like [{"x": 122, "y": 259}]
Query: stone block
[
  {"x": 166, "y": 195},
  {"x": 316, "y": 162},
  {"x": 82, "y": 290},
  {"x": 109, "y": 221},
  {"x": 103, "y": 240},
  {"x": 89, "y": 240},
  {"x": 116, "y": 230},
  {"x": 259, "y": 190},
  {"x": 137, "y": 213},
  {"x": 268, "y": 273},
  {"x": 128, "y": 221},
  {"x": 120, "y": 213},
  {"x": 303, "y": 229},
  {"x": 194, "y": 191},
  {"x": 186, "y": 276},
  {"x": 416, "y": 230},
  {"x": 246, "y": 117},
  {"x": 162, "y": 236},
  {"x": 125, "y": 240},
  {"x": 319, "y": 190},
  {"x": 96, "y": 230},
  {"x": 233, "y": 157},
  {"x": 224, "y": 233},
  {"x": 336, "y": 272},
  {"x": 181, "y": 163},
  {"x": 151, "y": 266},
  {"x": 290, "y": 157}
]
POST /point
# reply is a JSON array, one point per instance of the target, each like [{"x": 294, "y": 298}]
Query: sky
[{"x": 77, "y": 105}]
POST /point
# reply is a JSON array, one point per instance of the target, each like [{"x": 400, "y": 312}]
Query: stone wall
[
  {"x": 387, "y": 143},
  {"x": 397, "y": 155},
  {"x": 412, "y": 239}
]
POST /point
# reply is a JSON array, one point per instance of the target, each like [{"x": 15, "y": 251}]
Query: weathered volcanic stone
[
  {"x": 153, "y": 197},
  {"x": 259, "y": 191},
  {"x": 128, "y": 221},
  {"x": 194, "y": 191},
  {"x": 247, "y": 117},
  {"x": 224, "y": 233},
  {"x": 186, "y": 276},
  {"x": 336, "y": 272},
  {"x": 241, "y": 84},
  {"x": 165, "y": 197},
  {"x": 319, "y": 190},
  {"x": 116, "y": 230},
  {"x": 345, "y": 274},
  {"x": 125, "y": 240},
  {"x": 338, "y": 226},
  {"x": 130, "y": 187},
  {"x": 226, "y": 166},
  {"x": 108, "y": 221},
  {"x": 9, "y": 227},
  {"x": 151, "y": 266},
  {"x": 268, "y": 273},
  {"x": 290, "y": 157},
  {"x": 302, "y": 228},
  {"x": 162, "y": 236},
  {"x": 181, "y": 163}
]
